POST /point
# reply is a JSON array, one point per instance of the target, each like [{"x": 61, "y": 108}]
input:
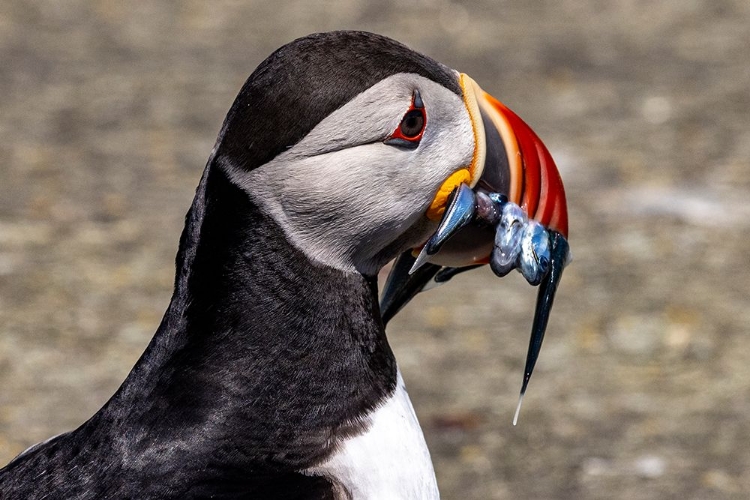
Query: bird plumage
[{"x": 267, "y": 360}]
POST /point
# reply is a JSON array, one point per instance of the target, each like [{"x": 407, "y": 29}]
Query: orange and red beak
[{"x": 510, "y": 159}]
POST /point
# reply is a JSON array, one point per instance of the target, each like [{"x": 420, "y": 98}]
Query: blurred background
[{"x": 108, "y": 112}]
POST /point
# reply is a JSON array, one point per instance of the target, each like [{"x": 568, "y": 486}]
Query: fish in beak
[{"x": 506, "y": 209}]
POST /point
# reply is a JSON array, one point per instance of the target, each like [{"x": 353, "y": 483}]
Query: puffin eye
[
  {"x": 412, "y": 124},
  {"x": 409, "y": 131}
]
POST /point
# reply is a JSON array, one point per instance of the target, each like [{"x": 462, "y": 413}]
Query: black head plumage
[{"x": 304, "y": 81}]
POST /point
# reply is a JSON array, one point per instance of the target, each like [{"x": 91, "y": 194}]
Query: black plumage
[{"x": 260, "y": 363}]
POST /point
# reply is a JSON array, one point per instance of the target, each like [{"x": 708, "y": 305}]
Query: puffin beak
[{"x": 507, "y": 208}]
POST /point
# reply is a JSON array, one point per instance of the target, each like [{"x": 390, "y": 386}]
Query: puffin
[{"x": 270, "y": 375}]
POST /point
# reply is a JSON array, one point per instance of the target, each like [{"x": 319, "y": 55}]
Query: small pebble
[{"x": 650, "y": 466}]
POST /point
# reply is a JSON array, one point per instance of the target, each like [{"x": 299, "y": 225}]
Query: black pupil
[{"x": 412, "y": 123}]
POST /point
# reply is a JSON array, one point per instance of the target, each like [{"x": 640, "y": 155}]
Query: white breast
[{"x": 388, "y": 462}]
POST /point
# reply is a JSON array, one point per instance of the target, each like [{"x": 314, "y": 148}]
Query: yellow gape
[{"x": 437, "y": 207}]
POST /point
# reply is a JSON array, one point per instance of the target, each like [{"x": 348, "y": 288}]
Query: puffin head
[
  {"x": 353, "y": 143},
  {"x": 356, "y": 146}
]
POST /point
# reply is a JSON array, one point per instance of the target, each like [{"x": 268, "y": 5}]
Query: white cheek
[
  {"x": 373, "y": 191},
  {"x": 343, "y": 206}
]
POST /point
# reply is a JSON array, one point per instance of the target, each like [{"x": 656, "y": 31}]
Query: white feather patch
[{"x": 388, "y": 462}]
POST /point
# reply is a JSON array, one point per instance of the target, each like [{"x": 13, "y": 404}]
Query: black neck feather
[{"x": 263, "y": 360}]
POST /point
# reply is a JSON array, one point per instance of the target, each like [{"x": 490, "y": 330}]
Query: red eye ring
[{"x": 409, "y": 132}]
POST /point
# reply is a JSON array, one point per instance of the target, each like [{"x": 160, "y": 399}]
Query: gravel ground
[{"x": 109, "y": 111}]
